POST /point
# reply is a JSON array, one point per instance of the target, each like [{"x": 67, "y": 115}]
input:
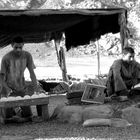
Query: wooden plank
[
  {"x": 45, "y": 112},
  {"x": 25, "y": 102},
  {"x": 2, "y": 115},
  {"x": 43, "y": 101}
]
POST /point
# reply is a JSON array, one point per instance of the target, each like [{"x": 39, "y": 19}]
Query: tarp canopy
[{"x": 80, "y": 26}]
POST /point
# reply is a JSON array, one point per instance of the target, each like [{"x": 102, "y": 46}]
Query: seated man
[
  {"x": 13, "y": 66},
  {"x": 123, "y": 74}
]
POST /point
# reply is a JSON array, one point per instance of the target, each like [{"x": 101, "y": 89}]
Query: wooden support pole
[
  {"x": 98, "y": 57},
  {"x": 63, "y": 65},
  {"x": 61, "y": 60},
  {"x": 124, "y": 32},
  {"x": 56, "y": 43}
]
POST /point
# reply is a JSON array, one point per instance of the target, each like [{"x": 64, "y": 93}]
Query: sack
[
  {"x": 117, "y": 122},
  {"x": 68, "y": 114},
  {"x": 97, "y": 122},
  {"x": 114, "y": 122}
]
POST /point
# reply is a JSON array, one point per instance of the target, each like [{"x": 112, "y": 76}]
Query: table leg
[
  {"x": 45, "y": 112},
  {"x": 2, "y": 115}
]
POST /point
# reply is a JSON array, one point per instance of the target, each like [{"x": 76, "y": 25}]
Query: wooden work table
[{"x": 43, "y": 101}]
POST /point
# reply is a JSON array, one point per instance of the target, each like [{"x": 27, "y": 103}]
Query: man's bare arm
[{"x": 33, "y": 78}]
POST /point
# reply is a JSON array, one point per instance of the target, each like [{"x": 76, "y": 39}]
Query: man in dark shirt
[{"x": 124, "y": 74}]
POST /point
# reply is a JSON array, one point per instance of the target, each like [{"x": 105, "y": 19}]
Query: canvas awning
[{"x": 80, "y": 26}]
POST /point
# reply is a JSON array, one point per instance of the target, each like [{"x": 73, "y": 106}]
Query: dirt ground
[{"x": 54, "y": 130}]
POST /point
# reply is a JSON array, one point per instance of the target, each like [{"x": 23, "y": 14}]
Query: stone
[
  {"x": 69, "y": 114},
  {"x": 77, "y": 114},
  {"x": 118, "y": 122},
  {"x": 131, "y": 114}
]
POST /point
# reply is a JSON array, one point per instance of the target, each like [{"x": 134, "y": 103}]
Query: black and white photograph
[{"x": 69, "y": 69}]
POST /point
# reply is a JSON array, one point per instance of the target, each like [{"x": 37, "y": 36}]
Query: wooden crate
[{"x": 94, "y": 94}]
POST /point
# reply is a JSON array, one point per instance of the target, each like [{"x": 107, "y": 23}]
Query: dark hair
[
  {"x": 17, "y": 39},
  {"x": 127, "y": 50}
]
